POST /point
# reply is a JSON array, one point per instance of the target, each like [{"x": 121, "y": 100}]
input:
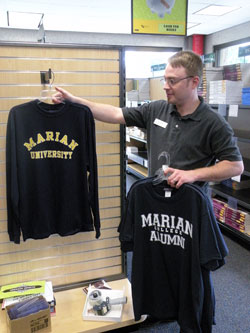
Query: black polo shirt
[{"x": 193, "y": 141}]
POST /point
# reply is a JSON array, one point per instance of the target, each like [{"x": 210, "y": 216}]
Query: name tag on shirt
[{"x": 160, "y": 123}]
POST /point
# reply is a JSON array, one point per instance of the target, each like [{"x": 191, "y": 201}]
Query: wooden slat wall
[{"x": 90, "y": 73}]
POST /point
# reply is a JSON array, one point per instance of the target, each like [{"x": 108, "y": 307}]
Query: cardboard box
[{"x": 36, "y": 322}]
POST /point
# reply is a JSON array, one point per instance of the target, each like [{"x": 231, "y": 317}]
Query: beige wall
[{"x": 64, "y": 260}]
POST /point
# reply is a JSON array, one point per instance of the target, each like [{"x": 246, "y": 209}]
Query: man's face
[{"x": 178, "y": 85}]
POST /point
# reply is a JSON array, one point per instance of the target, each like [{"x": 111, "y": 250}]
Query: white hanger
[{"x": 160, "y": 176}]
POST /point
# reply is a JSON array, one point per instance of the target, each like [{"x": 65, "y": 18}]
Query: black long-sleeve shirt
[{"x": 51, "y": 167}]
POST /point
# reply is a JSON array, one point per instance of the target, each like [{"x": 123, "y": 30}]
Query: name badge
[{"x": 160, "y": 123}]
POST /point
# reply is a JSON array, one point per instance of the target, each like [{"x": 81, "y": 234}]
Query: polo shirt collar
[{"x": 196, "y": 115}]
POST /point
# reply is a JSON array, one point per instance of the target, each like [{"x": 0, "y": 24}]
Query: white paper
[
  {"x": 236, "y": 178},
  {"x": 233, "y": 110}
]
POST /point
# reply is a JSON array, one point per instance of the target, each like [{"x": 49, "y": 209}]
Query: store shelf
[
  {"x": 137, "y": 170},
  {"x": 241, "y": 237},
  {"x": 140, "y": 157},
  {"x": 137, "y": 138},
  {"x": 242, "y": 196}
]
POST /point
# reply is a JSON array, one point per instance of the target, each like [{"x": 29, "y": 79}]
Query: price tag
[{"x": 168, "y": 192}]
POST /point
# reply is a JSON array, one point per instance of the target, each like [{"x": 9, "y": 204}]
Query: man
[{"x": 199, "y": 141}]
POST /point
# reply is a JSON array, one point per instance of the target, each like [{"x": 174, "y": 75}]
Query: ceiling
[{"x": 112, "y": 16}]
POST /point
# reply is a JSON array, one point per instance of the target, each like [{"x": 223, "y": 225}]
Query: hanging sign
[
  {"x": 208, "y": 58},
  {"x": 162, "y": 17},
  {"x": 244, "y": 51},
  {"x": 159, "y": 67}
]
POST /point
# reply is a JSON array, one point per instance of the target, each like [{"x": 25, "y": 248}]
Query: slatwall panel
[{"x": 90, "y": 73}]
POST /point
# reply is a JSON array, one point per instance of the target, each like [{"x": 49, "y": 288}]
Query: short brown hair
[{"x": 189, "y": 60}]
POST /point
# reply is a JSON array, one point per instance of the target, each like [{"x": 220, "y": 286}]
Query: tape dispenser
[{"x": 100, "y": 305}]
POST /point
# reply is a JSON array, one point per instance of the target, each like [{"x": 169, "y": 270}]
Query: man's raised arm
[{"x": 103, "y": 112}]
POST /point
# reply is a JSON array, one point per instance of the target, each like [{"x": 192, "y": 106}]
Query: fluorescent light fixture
[
  {"x": 3, "y": 20},
  {"x": 24, "y": 20},
  {"x": 216, "y": 10},
  {"x": 192, "y": 24}
]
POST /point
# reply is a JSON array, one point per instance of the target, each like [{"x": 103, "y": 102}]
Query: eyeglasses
[{"x": 171, "y": 81}]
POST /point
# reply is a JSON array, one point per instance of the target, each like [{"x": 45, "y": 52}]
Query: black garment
[
  {"x": 193, "y": 141},
  {"x": 176, "y": 242},
  {"x": 51, "y": 170}
]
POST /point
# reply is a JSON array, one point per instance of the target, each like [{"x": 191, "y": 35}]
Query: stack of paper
[
  {"x": 209, "y": 74},
  {"x": 237, "y": 219},
  {"x": 245, "y": 73},
  {"x": 225, "y": 92},
  {"x": 219, "y": 208},
  {"x": 232, "y": 72}
]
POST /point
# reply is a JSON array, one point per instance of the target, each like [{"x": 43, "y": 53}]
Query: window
[
  {"x": 230, "y": 55},
  {"x": 138, "y": 63}
]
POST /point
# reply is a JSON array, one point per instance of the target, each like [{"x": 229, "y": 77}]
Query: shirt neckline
[
  {"x": 196, "y": 115},
  {"x": 50, "y": 110},
  {"x": 174, "y": 197}
]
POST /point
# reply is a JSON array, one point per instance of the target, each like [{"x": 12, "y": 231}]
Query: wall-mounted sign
[
  {"x": 244, "y": 51},
  {"x": 159, "y": 67},
  {"x": 208, "y": 58},
  {"x": 162, "y": 17}
]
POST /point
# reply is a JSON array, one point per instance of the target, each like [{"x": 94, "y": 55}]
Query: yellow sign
[{"x": 162, "y": 17}]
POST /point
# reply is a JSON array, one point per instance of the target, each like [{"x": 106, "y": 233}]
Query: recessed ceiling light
[
  {"x": 216, "y": 10},
  {"x": 24, "y": 20}
]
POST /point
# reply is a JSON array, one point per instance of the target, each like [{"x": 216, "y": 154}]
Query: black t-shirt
[
  {"x": 175, "y": 245},
  {"x": 51, "y": 171}
]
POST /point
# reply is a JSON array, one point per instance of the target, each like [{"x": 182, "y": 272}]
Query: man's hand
[
  {"x": 178, "y": 177},
  {"x": 62, "y": 95},
  {"x": 215, "y": 173}
]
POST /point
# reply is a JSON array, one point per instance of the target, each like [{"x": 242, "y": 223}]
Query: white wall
[
  {"x": 56, "y": 37},
  {"x": 228, "y": 35}
]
